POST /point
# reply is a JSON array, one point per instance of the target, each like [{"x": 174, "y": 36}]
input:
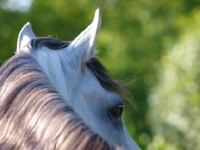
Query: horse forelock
[
  {"x": 94, "y": 65},
  {"x": 33, "y": 115}
]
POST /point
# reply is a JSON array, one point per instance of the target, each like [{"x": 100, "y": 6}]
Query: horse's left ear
[
  {"x": 84, "y": 44},
  {"x": 24, "y": 37}
]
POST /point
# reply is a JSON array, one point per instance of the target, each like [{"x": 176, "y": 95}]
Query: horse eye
[{"x": 117, "y": 111}]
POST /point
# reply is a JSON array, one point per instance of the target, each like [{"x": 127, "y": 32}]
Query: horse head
[{"x": 81, "y": 80}]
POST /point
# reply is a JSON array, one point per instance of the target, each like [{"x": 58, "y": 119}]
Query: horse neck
[{"x": 33, "y": 115}]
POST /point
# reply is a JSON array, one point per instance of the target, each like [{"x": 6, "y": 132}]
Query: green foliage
[
  {"x": 175, "y": 99},
  {"x": 148, "y": 42}
]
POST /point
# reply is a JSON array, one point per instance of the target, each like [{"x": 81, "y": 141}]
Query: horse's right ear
[
  {"x": 24, "y": 37},
  {"x": 84, "y": 44}
]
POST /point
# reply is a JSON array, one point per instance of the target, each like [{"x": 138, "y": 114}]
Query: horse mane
[{"x": 33, "y": 115}]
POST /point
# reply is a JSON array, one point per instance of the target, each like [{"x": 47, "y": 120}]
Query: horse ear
[
  {"x": 25, "y": 35},
  {"x": 84, "y": 43}
]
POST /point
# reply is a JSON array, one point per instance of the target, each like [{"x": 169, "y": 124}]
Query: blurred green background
[{"x": 154, "y": 44}]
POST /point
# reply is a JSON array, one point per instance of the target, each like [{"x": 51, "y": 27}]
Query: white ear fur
[
  {"x": 84, "y": 43},
  {"x": 25, "y": 35}
]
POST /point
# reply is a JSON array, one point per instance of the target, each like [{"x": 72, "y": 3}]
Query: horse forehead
[
  {"x": 45, "y": 54},
  {"x": 62, "y": 66},
  {"x": 92, "y": 90}
]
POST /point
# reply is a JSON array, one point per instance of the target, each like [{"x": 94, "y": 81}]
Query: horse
[{"x": 56, "y": 94}]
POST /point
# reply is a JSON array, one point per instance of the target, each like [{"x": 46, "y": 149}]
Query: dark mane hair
[
  {"x": 33, "y": 115},
  {"x": 94, "y": 65}
]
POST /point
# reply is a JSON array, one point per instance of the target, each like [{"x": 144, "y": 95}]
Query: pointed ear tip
[
  {"x": 28, "y": 24},
  {"x": 97, "y": 10},
  {"x": 97, "y": 18},
  {"x": 26, "y": 29},
  {"x": 97, "y": 13}
]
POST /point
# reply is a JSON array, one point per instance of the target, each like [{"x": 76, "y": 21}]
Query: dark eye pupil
[{"x": 117, "y": 111}]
